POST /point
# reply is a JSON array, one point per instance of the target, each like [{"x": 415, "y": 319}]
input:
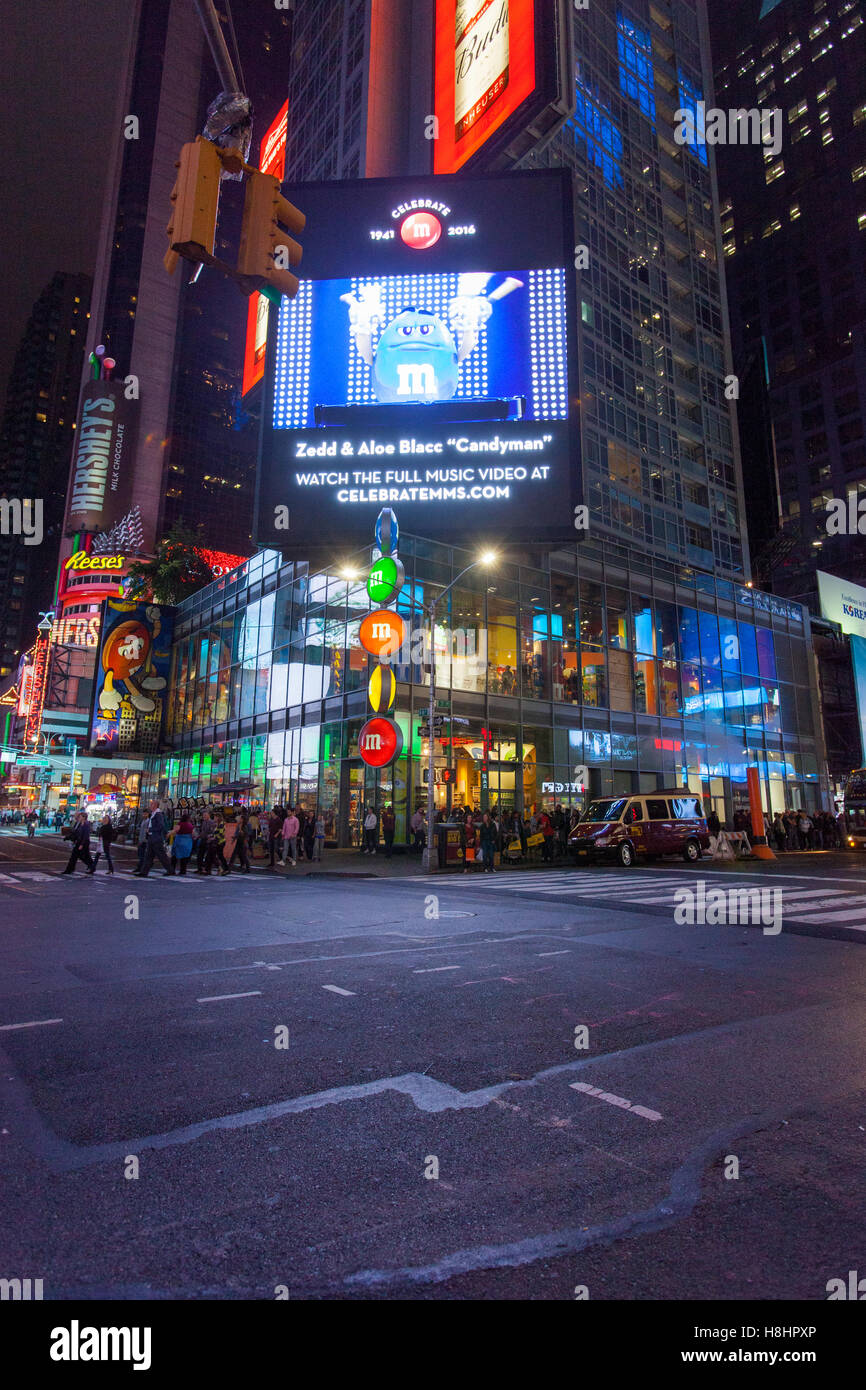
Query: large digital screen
[{"x": 425, "y": 365}]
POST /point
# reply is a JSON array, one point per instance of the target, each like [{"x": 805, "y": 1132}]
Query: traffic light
[
  {"x": 266, "y": 248},
  {"x": 195, "y": 202}
]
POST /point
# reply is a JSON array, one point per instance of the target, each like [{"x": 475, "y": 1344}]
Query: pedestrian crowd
[{"x": 212, "y": 840}]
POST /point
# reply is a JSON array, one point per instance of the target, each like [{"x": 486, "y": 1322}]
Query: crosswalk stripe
[{"x": 825, "y": 917}]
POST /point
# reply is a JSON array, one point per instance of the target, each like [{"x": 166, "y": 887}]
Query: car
[{"x": 657, "y": 823}]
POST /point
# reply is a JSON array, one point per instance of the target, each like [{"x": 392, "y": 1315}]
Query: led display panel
[{"x": 425, "y": 365}]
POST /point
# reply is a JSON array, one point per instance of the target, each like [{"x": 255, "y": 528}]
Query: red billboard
[
  {"x": 272, "y": 160},
  {"x": 502, "y": 79},
  {"x": 485, "y": 69}
]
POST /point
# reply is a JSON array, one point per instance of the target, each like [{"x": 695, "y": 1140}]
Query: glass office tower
[{"x": 641, "y": 652}]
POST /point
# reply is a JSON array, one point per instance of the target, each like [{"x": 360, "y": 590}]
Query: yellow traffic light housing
[
  {"x": 195, "y": 203},
  {"x": 266, "y": 249}
]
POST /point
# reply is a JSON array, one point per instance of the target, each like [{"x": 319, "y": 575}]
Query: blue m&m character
[{"x": 415, "y": 359}]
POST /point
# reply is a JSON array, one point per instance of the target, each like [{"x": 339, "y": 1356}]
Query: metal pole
[
  {"x": 427, "y": 863},
  {"x": 217, "y": 45}
]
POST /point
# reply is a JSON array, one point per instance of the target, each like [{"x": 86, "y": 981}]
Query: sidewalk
[{"x": 351, "y": 863}]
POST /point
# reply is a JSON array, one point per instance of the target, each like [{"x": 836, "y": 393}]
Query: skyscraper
[
  {"x": 794, "y": 223},
  {"x": 35, "y": 449},
  {"x": 196, "y": 448},
  {"x": 642, "y": 651}
]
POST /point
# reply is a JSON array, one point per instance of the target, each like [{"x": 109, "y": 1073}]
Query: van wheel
[
  {"x": 626, "y": 855},
  {"x": 692, "y": 852}
]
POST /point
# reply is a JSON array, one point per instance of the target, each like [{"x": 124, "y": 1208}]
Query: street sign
[{"x": 26, "y": 761}]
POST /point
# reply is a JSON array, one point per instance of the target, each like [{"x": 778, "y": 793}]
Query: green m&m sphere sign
[{"x": 385, "y": 579}]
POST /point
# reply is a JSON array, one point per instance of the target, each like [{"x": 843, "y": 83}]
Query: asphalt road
[{"x": 380, "y": 1088}]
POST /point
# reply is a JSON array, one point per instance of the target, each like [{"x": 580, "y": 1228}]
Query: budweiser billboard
[{"x": 502, "y": 79}]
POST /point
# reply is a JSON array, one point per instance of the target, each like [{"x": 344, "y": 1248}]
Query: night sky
[{"x": 57, "y": 103}]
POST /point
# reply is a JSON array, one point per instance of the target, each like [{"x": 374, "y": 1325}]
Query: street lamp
[{"x": 487, "y": 558}]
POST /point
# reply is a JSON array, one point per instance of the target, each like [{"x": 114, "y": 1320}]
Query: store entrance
[{"x": 352, "y": 804}]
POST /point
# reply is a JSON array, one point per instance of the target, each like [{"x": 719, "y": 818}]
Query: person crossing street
[
  {"x": 156, "y": 831},
  {"x": 81, "y": 845}
]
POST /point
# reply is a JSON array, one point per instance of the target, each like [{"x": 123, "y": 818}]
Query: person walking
[
  {"x": 302, "y": 822},
  {"x": 236, "y": 844},
  {"x": 142, "y": 839},
  {"x": 205, "y": 834},
  {"x": 275, "y": 831},
  {"x": 371, "y": 832},
  {"x": 182, "y": 845},
  {"x": 106, "y": 838},
  {"x": 155, "y": 844},
  {"x": 291, "y": 826},
  {"x": 545, "y": 825},
  {"x": 310, "y": 835},
  {"x": 487, "y": 842},
  {"x": 389, "y": 823},
  {"x": 80, "y": 838},
  {"x": 319, "y": 843},
  {"x": 417, "y": 826}
]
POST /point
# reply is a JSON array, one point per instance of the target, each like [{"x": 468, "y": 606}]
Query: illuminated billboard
[
  {"x": 131, "y": 680},
  {"x": 502, "y": 79},
  {"x": 842, "y": 602},
  {"x": 103, "y": 463},
  {"x": 272, "y": 160},
  {"x": 425, "y": 364}
]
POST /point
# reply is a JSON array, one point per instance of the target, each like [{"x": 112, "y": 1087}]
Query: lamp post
[{"x": 427, "y": 859}]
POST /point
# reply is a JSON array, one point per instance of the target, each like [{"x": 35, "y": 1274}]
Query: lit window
[
  {"x": 830, "y": 87},
  {"x": 795, "y": 211},
  {"x": 819, "y": 28},
  {"x": 859, "y": 115},
  {"x": 790, "y": 50},
  {"x": 771, "y": 228},
  {"x": 824, "y": 116},
  {"x": 858, "y": 173},
  {"x": 861, "y": 221},
  {"x": 827, "y": 136},
  {"x": 856, "y": 21},
  {"x": 775, "y": 171}
]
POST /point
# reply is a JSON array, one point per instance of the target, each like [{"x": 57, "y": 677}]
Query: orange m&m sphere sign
[{"x": 382, "y": 633}]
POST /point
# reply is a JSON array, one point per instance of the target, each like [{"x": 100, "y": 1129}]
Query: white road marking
[
  {"x": 215, "y": 998},
  {"x": 832, "y": 917},
  {"x": 619, "y": 1101},
  {"x": 37, "y": 877},
  {"x": 37, "y": 1023},
  {"x": 434, "y": 969},
  {"x": 335, "y": 989},
  {"x": 552, "y": 953}
]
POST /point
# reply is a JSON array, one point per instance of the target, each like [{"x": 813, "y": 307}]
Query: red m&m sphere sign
[{"x": 380, "y": 742}]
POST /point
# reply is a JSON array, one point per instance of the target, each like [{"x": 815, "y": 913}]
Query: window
[{"x": 658, "y": 810}]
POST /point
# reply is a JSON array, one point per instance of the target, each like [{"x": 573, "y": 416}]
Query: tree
[{"x": 176, "y": 571}]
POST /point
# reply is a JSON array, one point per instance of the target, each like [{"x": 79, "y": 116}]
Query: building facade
[
  {"x": 35, "y": 448},
  {"x": 794, "y": 225},
  {"x": 643, "y": 653},
  {"x": 646, "y": 673}
]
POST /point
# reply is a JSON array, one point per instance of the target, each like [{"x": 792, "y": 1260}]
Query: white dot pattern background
[{"x": 547, "y": 344}]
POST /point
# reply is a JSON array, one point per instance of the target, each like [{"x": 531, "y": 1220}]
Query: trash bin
[{"x": 451, "y": 845}]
